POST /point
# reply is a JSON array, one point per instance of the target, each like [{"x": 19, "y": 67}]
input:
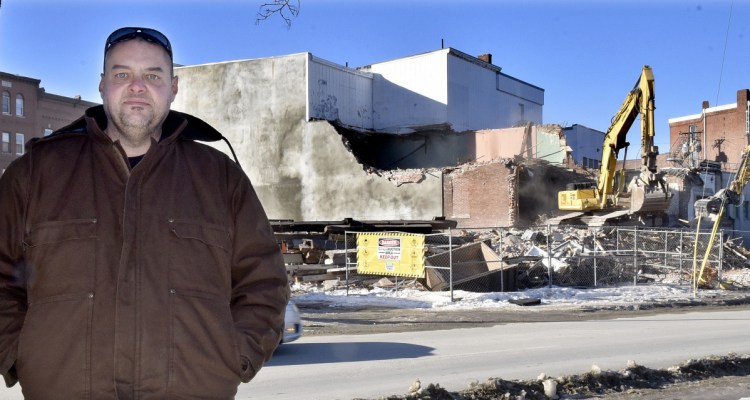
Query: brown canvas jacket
[{"x": 163, "y": 281}]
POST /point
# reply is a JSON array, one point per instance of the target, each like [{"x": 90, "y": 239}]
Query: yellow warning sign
[{"x": 393, "y": 254}]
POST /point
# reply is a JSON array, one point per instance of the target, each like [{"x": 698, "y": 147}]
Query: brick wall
[
  {"x": 41, "y": 111},
  {"x": 724, "y": 133},
  {"x": 13, "y": 124},
  {"x": 54, "y": 112},
  {"x": 481, "y": 196}
]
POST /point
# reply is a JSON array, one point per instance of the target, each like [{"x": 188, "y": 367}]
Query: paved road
[{"x": 371, "y": 366}]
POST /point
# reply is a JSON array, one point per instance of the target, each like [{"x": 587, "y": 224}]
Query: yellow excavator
[
  {"x": 602, "y": 203},
  {"x": 712, "y": 208}
]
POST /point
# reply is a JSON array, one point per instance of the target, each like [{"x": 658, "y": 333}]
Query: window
[
  {"x": 746, "y": 207},
  {"x": 6, "y": 143},
  {"x": 6, "y": 102},
  {"x": 19, "y": 143},
  {"x": 19, "y": 105}
]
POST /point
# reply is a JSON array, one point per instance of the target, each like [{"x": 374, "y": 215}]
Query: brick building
[
  {"x": 28, "y": 112},
  {"x": 504, "y": 192},
  {"x": 717, "y": 134}
]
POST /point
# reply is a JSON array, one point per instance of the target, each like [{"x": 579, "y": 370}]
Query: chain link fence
[{"x": 512, "y": 259}]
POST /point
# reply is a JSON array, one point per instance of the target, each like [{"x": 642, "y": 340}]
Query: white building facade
[
  {"x": 445, "y": 88},
  {"x": 283, "y": 116}
]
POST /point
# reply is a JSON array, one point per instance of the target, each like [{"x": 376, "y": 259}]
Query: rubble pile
[
  {"x": 735, "y": 254},
  {"x": 593, "y": 383},
  {"x": 513, "y": 259},
  {"x": 539, "y": 182}
]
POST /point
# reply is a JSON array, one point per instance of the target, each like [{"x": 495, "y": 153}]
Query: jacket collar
[{"x": 194, "y": 129}]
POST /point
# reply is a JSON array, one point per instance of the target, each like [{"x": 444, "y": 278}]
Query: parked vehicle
[{"x": 292, "y": 324}]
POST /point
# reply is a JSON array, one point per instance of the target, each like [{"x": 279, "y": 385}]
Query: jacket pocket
[
  {"x": 204, "y": 360},
  {"x": 54, "y": 348},
  {"x": 60, "y": 258},
  {"x": 200, "y": 255}
]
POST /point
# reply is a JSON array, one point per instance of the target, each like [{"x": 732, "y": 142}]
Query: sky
[{"x": 586, "y": 55}]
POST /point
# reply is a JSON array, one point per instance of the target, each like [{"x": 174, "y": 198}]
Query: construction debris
[
  {"x": 514, "y": 259},
  {"x": 477, "y": 268}
]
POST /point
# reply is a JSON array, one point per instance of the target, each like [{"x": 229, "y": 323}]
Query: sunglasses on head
[{"x": 147, "y": 34}]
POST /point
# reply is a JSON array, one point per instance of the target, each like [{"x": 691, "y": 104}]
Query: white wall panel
[
  {"x": 338, "y": 93},
  {"x": 483, "y": 98},
  {"x": 410, "y": 91}
]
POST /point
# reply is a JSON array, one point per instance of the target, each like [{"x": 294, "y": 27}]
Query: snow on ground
[{"x": 551, "y": 298}]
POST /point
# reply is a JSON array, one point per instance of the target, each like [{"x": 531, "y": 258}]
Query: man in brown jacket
[{"x": 135, "y": 263}]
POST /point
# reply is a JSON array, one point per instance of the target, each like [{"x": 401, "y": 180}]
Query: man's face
[{"x": 137, "y": 89}]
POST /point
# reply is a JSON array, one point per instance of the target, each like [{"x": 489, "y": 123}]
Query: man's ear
[
  {"x": 101, "y": 85},
  {"x": 175, "y": 86}
]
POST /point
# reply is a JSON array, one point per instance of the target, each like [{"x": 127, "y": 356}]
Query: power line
[{"x": 724, "y": 55}]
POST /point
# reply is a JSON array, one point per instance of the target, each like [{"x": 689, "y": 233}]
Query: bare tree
[{"x": 285, "y": 8}]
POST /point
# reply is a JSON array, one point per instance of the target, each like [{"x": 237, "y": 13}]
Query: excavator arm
[
  {"x": 732, "y": 194},
  {"x": 647, "y": 192}
]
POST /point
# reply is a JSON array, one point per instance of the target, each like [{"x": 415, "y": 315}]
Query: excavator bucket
[
  {"x": 709, "y": 206},
  {"x": 648, "y": 198}
]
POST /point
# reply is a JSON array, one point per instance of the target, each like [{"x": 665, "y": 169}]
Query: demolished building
[
  {"x": 325, "y": 142},
  {"x": 441, "y": 135}
]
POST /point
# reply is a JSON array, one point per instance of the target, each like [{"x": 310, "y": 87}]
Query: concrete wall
[
  {"x": 301, "y": 170},
  {"x": 504, "y": 143},
  {"x": 536, "y": 141},
  {"x": 549, "y": 144}
]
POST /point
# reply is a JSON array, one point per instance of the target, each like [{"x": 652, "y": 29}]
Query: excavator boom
[{"x": 647, "y": 193}]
